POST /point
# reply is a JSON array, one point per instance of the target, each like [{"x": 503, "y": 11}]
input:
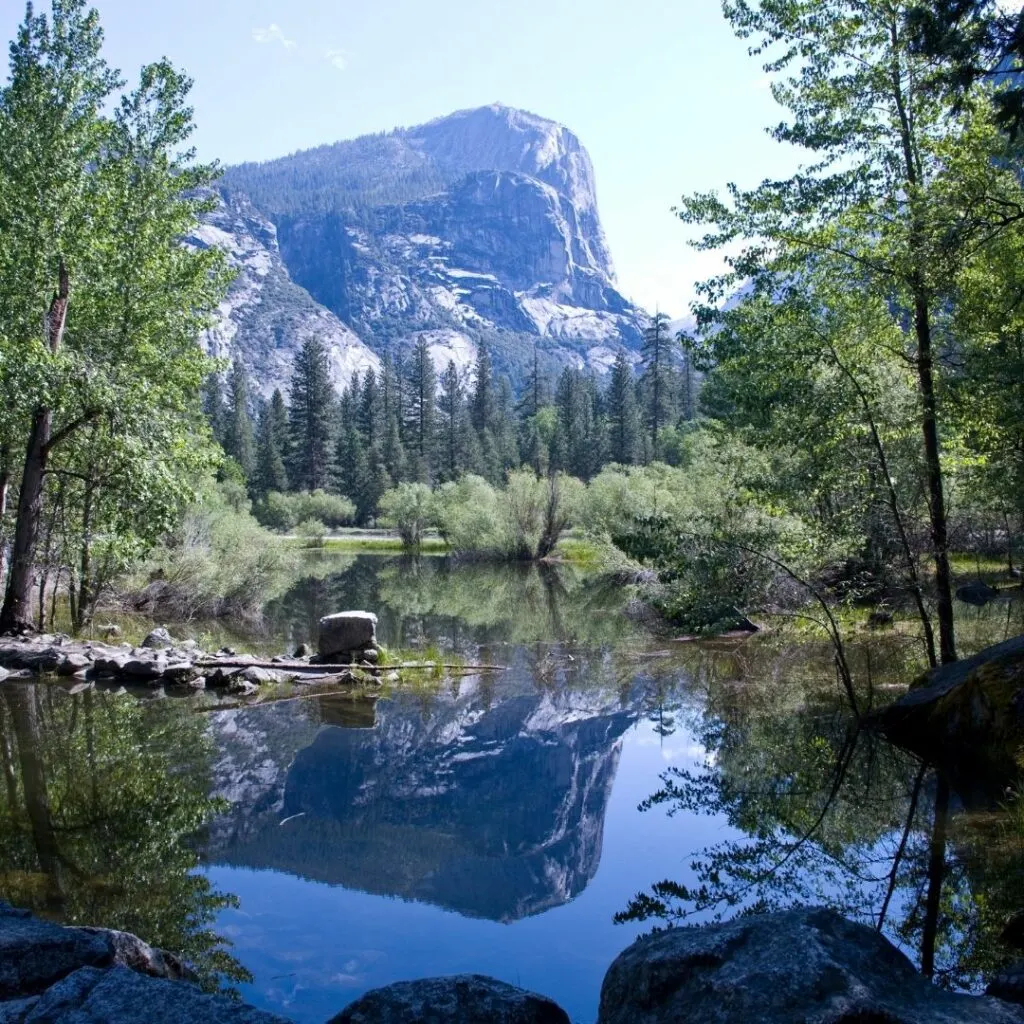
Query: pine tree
[
  {"x": 578, "y": 447},
  {"x": 504, "y": 426},
  {"x": 535, "y": 390},
  {"x": 622, "y": 414},
  {"x": 270, "y": 474},
  {"x": 483, "y": 389},
  {"x": 657, "y": 380},
  {"x": 422, "y": 411},
  {"x": 213, "y": 406},
  {"x": 279, "y": 422},
  {"x": 452, "y": 403},
  {"x": 238, "y": 436},
  {"x": 309, "y": 414},
  {"x": 371, "y": 411}
]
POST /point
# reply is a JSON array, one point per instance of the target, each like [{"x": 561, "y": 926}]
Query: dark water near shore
[{"x": 494, "y": 823}]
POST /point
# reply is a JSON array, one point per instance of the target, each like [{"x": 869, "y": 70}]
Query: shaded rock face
[
  {"x": 91, "y": 996},
  {"x": 489, "y": 804},
  {"x": 464, "y": 997},
  {"x": 480, "y": 224},
  {"x": 801, "y": 965},
  {"x": 266, "y": 316},
  {"x": 969, "y": 718},
  {"x": 53, "y": 974}
]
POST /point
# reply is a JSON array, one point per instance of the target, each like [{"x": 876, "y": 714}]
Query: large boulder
[
  {"x": 808, "y": 965},
  {"x": 91, "y": 996},
  {"x": 59, "y": 975},
  {"x": 345, "y": 633},
  {"x": 967, "y": 716},
  {"x": 35, "y": 953},
  {"x": 463, "y": 997}
]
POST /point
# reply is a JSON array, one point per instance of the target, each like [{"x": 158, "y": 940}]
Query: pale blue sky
[{"x": 661, "y": 93}]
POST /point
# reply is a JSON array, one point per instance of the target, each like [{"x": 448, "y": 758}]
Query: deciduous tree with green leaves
[{"x": 100, "y": 303}]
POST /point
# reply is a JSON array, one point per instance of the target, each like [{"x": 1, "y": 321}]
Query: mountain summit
[{"x": 482, "y": 225}]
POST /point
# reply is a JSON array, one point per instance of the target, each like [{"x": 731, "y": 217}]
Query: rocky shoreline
[
  {"x": 798, "y": 965},
  {"x": 347, "y": 651}
]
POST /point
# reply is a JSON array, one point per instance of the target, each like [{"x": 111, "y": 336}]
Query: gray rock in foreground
[
  {"x": 463, "y": 997},
  {"x": 50, "y": 974},
  {"x": 35, "y": 954},
  {"x": 807, "y": 965},
  {"x": 92, "y": 996},
  {"x": 346, "y": 632}
]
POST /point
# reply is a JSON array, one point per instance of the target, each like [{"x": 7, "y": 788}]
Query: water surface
[{"x": 499, "y": 822}]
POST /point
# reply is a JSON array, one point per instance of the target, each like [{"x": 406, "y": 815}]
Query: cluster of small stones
[{"x": 348, "y": 638}]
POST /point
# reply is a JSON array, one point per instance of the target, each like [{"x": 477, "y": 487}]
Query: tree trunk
[
  {"x": 933, "y": 470},
  {"x": 17, "y": 607},
  {"x": 5, "y": 486},
  {"x": 936, "y": 876}
]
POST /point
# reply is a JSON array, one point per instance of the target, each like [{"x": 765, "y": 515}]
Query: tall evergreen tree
[
  {"x": 310, "y": 414},
  {"x": 578, "y": 447},
  {"x": 623, "y": 416},
  {"x": 452, "y": 459},
  {"x": 657, "y": 379},
  {"x": 371, "y": 410},
  {"x": 238, "y": 437},
  {"x": 270, "y": 473},
  {"x": 213, "y": 406},
  {"x": 483, "y": 389},
  {"x": 535, "y": 389},
  {"x": 422, "y": 411}
]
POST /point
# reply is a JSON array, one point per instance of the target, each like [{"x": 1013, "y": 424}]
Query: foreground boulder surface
[
  {"x": 463, "y": 997},
  {"x": 810, "y": 966},
  {"x": 58, "y": 975}
]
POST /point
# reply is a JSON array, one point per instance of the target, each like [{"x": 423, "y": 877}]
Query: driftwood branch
[{"x": 303, "y": 666}]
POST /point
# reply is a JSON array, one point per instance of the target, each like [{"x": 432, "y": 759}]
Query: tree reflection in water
[
  {"x": 102, "y": 797},
  {"x": 830, "y": 813}
]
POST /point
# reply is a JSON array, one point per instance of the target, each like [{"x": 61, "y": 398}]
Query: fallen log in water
[{"x": 305, "y": 666}]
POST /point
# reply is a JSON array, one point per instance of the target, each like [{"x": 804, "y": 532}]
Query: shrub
[
  {"x": 407, "y": 508},
  {"x": 284, "y": 512},
  {"x": 219, "y": 561},
  {"x": 468, "y": 516},
  {"x": 312, "y": 532}
]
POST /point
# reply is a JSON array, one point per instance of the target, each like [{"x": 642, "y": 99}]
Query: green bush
[
  {"x": 312, "y": 532},
  {"x": 284, "y": 512},
  {"x": 408, "y": 508},
  {"x": 219, "y": 561},
  {"x": 468, "y": 517}
]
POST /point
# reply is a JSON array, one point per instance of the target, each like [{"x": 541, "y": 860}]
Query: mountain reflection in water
[{"x": 488, "y": 799}]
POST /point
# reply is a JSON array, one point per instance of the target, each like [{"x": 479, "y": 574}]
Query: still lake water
[{"x": 497, "y": 822}]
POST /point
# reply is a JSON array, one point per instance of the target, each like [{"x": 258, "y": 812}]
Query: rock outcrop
[
  {"x": 50, "y": 974},
  {"x": 156, "y": 665},
  {"x": 463, "y": 997},
  {"x": 482, "y": 224},
  {"x": 266, "y": 316},
  {"x": 799, "y": 965},
  {"x": 968, "y": 716}
]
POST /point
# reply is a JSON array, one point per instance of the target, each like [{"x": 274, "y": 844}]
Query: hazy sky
[{"x": 661, "y": 93}]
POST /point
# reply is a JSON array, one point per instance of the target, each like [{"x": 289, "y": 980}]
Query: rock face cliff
[
  {"x": 265, "y": 316},
  {"x": 478, "y": 226}
]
